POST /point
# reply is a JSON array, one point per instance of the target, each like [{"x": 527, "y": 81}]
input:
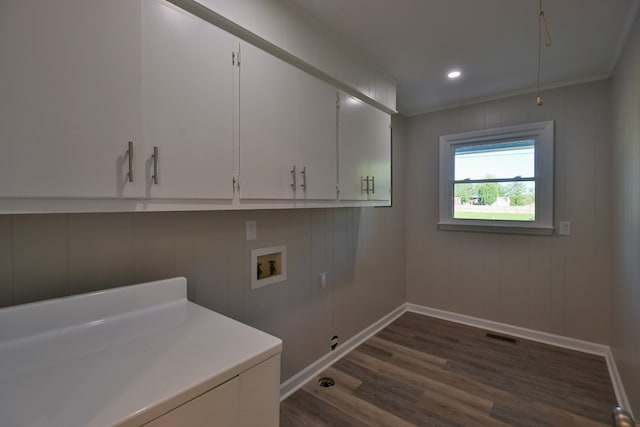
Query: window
[{"x": 498, "y": 180}]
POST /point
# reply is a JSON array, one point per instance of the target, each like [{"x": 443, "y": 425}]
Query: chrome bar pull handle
[
  {"x": 366, "y": 182},
  {"x": 293, "y": 175},
  {"x": 303, "y": 172},
  {"x": 154, "y": 177},
  {"x": 373, "y": 185},
  {"x": 130, "y": 158}
]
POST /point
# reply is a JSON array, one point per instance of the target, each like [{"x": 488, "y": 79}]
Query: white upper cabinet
[
  {"x": 187, "y": 104},
  {"x": 354, "y": 162},
  {"x": 70, "y": 90},
  {"x": 287, "y": 131},
  {"x": 317, "y": 145},
  {"x": 150, "y": 107},
  {"x": 267, "y": 125},
  {"x": 379, "y": 153},
  {"x": 364, "y": 151}
]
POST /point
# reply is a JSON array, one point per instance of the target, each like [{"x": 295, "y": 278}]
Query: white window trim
[{"x": 543, "y": 135}]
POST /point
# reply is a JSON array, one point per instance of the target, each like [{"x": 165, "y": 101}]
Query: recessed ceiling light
[{"x": 454, "y": 74}]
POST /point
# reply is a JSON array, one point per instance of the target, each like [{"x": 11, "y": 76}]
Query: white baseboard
[
  {"x": 538, "y": 336},
  {"x": 616, "y": 380},
  {"x": 310, "y": 372},
  {"x": 516, "y": 331}
]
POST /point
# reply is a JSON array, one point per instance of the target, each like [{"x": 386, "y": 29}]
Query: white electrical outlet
[
  {"x": 565, "y": 228},
  {"x": 251, "y": 230}
]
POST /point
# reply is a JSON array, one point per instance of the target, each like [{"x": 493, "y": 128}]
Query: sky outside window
[{"x": 498, "y": 160}]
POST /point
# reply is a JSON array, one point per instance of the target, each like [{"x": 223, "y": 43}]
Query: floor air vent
[{"x": 501, "y": 338}]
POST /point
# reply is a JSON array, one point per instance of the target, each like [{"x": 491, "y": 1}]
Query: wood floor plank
[
  {"x": 463, "y": 382},
  {"x": 394, "y": 349},
  {"x": 388, "y": 385},
  {"x": 555, "y": 361},
  {"x": 428, "y": 385},
  {"x": 549, "y": 392},
  {"x": 520, "y": 375},
  {"x": 465, "y": 336},
  {"x": 527, "y": 416},
  {"x": 431, "y": 372},
  {"x": 409, "y": 410},
  {"x": 304, "y": 409},
  {"x": 441, "y": 399},
  {"x": 342, "y": 396}
]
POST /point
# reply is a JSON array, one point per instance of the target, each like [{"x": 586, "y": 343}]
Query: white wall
[
  {"x": 625, "y": 326},
  {"x": 555, "y": 284}
]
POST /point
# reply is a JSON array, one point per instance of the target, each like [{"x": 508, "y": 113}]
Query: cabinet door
[
  {"x": 267, "y": 125},
  {"x": 70, "y": 85},
  {"x": 187, "y": 103},
  {"x": 353, "y": 157},
  {"x": 317, "y": 145},
  {"x": 379, "y": 149},
  {"x": 260, "y": 394},
  {"x": 218, "y": 406}
]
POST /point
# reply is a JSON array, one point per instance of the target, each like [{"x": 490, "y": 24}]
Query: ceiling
[{"x": 493, "y": 42}]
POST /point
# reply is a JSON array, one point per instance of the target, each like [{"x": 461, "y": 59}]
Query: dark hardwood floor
[{"x": 421, "y": 371}]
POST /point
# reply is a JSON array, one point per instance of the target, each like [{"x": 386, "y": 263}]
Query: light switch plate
[
  {"x": 565, "y": 228},
  {"x": 251, "y": 230}
]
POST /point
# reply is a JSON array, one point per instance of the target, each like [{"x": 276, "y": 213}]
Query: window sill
[{"x": 494, "y": 228}]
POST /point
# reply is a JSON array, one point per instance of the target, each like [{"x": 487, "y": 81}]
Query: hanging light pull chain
[
  {"x": 543, "y": 23},
  {"x": 546, "y": 34}
]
